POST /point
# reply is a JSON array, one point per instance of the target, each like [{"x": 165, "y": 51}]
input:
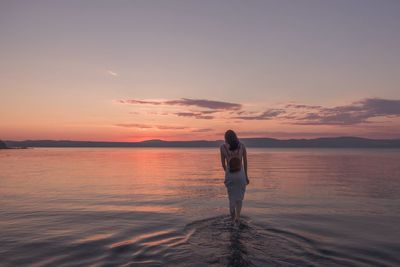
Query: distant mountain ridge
[
  {"x": 326, "y": 142},
  {"x": 3, "y": 145}
]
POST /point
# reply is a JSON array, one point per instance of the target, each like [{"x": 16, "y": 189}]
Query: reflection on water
[{"x": 168, "y": 207}]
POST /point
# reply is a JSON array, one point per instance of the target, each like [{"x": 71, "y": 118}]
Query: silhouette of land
[
  {"x": 327, "y": 142},
  {"x": 3, "y": 145}
]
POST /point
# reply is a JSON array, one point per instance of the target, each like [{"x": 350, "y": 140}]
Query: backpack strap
[
  {"x": 239, "y": 148},
  {"x": 226, "y": 151}
]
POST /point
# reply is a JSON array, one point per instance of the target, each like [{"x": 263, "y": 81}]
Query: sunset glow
[{"x": 189, "y": 70}]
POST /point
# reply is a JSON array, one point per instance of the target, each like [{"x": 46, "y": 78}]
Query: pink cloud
[{"x": 204, "y": 103}]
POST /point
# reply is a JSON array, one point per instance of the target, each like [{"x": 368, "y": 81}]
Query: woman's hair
[{"x": 232, "y": 139}]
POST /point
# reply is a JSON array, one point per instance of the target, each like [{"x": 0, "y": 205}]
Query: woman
[{"x": 234, "y": 162}]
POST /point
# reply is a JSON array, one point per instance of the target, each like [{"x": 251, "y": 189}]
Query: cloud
[
  {"x": 355, "y": 113},
  {"x": 358, "y": 112},
  {"x": 202, "y": 130},
  {"x": 197, "y": 115},
  {"x": 208, "y": 111},
  {"x": 135, "y": 101},
  {"x": 133, "y": 125},
  {"x": 168, "y": 127},
  {"x": 266, "y": 115},
  {"x": 147, "y": 126},
  {"x": 301, "y": 106},
  {"x": 112, "y": 73},
  {"x": 203, "y": 103}
]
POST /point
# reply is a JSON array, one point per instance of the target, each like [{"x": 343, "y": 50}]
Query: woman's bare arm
[
  {"x": 245, "y": 163},
  {"x": 222, "y": 159}
]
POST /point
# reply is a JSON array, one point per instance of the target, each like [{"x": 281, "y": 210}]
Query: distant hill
[
  {"x": 2, "y": 145},
  {"x": 328, "y": 142}
]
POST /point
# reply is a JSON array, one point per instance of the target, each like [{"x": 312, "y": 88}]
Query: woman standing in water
[{"x": 234, "y": 162}]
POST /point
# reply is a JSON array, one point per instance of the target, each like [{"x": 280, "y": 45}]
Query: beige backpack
[{"x": 234, "y": 160}]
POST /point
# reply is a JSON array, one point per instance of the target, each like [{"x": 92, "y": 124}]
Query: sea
[{"x": 169, "y": 207}]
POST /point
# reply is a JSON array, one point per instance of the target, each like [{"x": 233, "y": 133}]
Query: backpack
[{"x": 234, "y": 160}]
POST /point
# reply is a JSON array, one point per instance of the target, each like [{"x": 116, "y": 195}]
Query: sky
[{"x": 190, "y": 70}]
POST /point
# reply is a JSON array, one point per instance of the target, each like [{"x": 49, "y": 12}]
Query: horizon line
[{"x": 202, "y": 140}]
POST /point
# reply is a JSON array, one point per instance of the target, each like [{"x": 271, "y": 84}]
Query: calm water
[{"x": 168, "y": 207}]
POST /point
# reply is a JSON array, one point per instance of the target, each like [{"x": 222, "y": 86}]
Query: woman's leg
[
  {"x": 239, "y": 201},
  {"x": 238, "y": 209},
  {"x": 232, "y": 209},
  {"x": 232, "y": 202}
]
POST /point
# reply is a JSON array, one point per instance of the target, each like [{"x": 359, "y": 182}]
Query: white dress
[{"x": 235, "y": 182}]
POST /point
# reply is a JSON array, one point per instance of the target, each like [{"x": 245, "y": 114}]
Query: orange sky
[{"x": 131, "y": 71}]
